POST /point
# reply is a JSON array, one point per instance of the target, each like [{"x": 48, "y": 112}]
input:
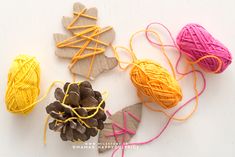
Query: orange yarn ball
[{"x": 155, "y": 83}]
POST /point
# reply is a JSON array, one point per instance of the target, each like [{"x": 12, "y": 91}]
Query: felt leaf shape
[
  {"x": 124, "y": 129},
  {"x": 86, "y": 44}
]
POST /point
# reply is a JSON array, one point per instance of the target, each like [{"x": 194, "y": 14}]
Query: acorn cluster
[{"x": 77, "y": 112}]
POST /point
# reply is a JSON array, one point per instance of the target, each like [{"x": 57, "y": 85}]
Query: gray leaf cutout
[
  {"x": 101, "y": 63},
  {"x": 131, "y": 124}
]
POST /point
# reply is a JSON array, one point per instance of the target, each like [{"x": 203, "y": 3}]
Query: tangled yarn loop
[
  {"x": 200, "y": 46},
  {"x": 23, "y": 84},
  {"x": 156, "y": 83}
]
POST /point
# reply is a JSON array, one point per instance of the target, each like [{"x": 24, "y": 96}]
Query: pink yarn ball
[{"x": 195, "y": 42}]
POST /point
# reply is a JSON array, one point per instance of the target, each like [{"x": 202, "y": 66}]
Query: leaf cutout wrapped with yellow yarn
[{"x": 87, "y": 44}]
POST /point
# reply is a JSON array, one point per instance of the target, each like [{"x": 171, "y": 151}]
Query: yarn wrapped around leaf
[
  {"x": 23, "y": 84},
  {"x": 198, "y": 44},
  {"x": 155, "y": 83}
]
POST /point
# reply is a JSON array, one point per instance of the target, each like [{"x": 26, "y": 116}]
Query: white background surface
[{"x": 26, "y": 26}]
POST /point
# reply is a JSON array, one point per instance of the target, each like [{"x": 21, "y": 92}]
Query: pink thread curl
[{"x": 177, "y": 70}]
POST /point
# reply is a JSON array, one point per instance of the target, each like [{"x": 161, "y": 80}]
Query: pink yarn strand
[
  {"x": 123, "y": 131},
  {"x": 166, "y": 125},
  {"x": 157, "y": 44},
  {"x": 177, "y": 70}
]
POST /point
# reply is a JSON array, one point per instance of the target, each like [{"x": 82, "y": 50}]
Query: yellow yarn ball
[
  {"x": 155, "y": 83},
  {"x": 23, "y": 84}
]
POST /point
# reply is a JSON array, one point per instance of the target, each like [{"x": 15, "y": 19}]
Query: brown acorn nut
[{"x": 72, "y": 103}]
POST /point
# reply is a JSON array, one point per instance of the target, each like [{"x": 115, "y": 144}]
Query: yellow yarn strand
[
  {"x": 78, "y": 117},
  {"x": 89, "y": 34},
  {"x": 23, "y": 85},
  {"x": 23, "y": 90}
]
